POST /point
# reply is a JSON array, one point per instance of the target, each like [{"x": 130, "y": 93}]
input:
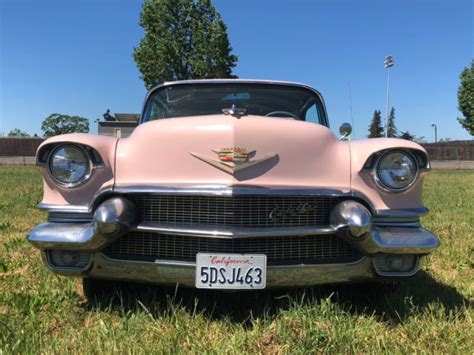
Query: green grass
[{"x": 41, "y": 312}]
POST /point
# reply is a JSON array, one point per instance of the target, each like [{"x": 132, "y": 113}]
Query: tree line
[{"x": 377, "y": 128}]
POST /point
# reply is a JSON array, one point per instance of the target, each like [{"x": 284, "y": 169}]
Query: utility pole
[
  {"x": 436, "y": 131},
  {"x": 388, "y": 64},
  {"x": 350, "y": 105}
]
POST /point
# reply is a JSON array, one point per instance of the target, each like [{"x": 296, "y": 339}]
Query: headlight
[
  {"x": 397, "y": 170},
  {"x": 69, "y": 165}
]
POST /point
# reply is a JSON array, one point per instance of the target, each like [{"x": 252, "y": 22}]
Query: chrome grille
[
  {"x": 241, "y": 211},
  {"x": 148, "y": 246}
]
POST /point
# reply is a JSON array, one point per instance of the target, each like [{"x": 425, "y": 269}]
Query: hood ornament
[
  {"x": 234, "y": 111},
  {"x": 232, "y": 159}
]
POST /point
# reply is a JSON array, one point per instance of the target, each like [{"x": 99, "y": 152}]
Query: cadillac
[{"x": 232, "y": 184}]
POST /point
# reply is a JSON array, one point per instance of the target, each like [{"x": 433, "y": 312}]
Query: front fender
[
  {"x": 102, "y": 175},
  {"x": 363, "y": 181}
]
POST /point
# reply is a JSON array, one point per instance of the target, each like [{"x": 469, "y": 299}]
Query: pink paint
[{"x": 308, "y": 155}]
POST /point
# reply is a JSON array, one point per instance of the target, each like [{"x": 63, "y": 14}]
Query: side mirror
[{"x": 345, "y": 130}]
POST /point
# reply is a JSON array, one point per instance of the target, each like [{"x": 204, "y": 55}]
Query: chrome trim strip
[
  {"x": 89, "y": 208},
  {"x": 50, "y": 207},
  {"x": 240, "y": 81},
  {"x": 231, "y": 232},
  {"x": 168, "y": 262},
  {"x": 70, "y": 217},
  {"x": 401, "y": 223},
  {"x": 229, "y": 190},
  {"x": 405, "y": 213},
  {"x": 63, "y": 219}
]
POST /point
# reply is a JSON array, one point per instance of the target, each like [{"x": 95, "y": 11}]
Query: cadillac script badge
[{"x": 232, "y": 159}]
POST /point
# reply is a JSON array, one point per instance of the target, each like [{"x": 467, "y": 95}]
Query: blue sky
[{"x": 75, "y": 57}]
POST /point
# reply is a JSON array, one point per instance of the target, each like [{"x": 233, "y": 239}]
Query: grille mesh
[
  {"x": 149, "y": 246},
  {"x": 241, "y": 211}
]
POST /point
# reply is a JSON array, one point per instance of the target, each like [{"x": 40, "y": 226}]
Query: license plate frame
[{"x": 225, "y": 271}]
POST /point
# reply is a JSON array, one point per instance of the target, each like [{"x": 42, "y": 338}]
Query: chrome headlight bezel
[
  {"x": 383, "y": 185},
  {"x": 83, "y": 178}
]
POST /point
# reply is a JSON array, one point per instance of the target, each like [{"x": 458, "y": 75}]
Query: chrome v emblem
[{"x": 232, "y": 159}]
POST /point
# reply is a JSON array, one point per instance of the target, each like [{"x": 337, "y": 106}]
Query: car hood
[{"x": 180, "y": 151}]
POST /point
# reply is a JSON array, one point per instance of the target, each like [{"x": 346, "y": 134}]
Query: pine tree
[
  {"x": 407, "y": 135},
  {"x": 184, "y": 39},
  {"x": 391, "y": 128},
  {"x": 376, "y": 129}
]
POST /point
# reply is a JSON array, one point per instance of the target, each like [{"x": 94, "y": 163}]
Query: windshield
[{"x": 274, "y": 100}]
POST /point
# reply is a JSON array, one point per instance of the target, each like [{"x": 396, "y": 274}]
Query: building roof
[
  {"x": 118, "y": 124},
  {"x": 127, "y": 117}
]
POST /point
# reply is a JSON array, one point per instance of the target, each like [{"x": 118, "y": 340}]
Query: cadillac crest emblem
[
  {"x": 232, "y": 159},
  {"x": 234, "y": 154}
]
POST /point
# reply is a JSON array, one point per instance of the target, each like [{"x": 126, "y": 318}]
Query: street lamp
[
  {"x": 388, "y": 63},
  {"x": 436, "y": 131}
]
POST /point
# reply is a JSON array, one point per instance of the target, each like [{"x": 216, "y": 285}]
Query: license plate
[{"x": 231, "y": 271}]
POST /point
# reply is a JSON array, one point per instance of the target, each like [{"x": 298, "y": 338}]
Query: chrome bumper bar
[{"x": 184, "y": 274}]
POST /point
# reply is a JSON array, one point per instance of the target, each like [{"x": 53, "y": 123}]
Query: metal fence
[
  {"x": 19, "y": 147},
  {"x": 455, "y": 150}
]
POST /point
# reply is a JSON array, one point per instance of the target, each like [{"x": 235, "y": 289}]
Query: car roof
[{"x": 229, "y": 81}]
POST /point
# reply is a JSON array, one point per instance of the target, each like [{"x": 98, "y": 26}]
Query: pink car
[{"x": 232, "y": 184}]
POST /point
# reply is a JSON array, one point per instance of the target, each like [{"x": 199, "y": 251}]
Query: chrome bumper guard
[{"x": 112, "y": 219}]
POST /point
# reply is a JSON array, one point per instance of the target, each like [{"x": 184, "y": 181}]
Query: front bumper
[
  {"x": 183, "y": 274},
  {"x": 405, "y": 243}
]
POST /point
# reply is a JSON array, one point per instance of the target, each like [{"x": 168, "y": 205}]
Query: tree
[
  {"x": 407, "y": 135},
  {"x": 57, "y": 123},
  {"x": 16, "y": 132},
  {"x": 184, "y": 39},
  {"x": 376, "y": 129},
  {"x": 466, "y": 99},
  {"x": 391, "y": 129},
  {"x": 420, "y": 140},
  {"x": 447, "y": 139}
]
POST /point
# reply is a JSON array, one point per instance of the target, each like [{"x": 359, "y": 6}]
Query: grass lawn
[{"x": 432, "y": 312}]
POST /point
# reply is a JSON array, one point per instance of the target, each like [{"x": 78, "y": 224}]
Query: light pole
[
  {"x": 436, "y": 131},
  {"x": 388, "y": 63}
]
